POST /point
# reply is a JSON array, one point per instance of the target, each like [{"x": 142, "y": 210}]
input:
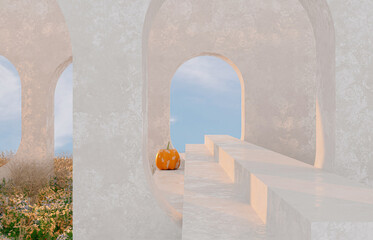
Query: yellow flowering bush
[
  {"x": 4, "y": 157},
  {"x": 44, "y": 215}
]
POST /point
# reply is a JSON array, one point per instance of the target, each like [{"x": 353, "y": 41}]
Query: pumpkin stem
[{"x": 168, "y": 145}]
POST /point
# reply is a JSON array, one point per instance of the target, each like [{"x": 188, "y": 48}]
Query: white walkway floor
[{"x": 212, "y": 209}]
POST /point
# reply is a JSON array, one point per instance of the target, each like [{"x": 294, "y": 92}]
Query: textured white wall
[
  {"x": 272, "y": 44},
  {"x": 110, "y": 119},
  {"x": 112, "y": 197},
  {"x": 34, "y": 37},
  {"x": 323, "y": 28},
  {"x": 353, "y": 22}
]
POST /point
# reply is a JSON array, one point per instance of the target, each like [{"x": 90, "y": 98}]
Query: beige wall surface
[
  {"x": 271, "y": 43},
  {"x": 34, "y": 37},
  {"x": 353, "y": 21},
  {"x": 288, "y": 56},
  {"x": 112, "y": 196}
]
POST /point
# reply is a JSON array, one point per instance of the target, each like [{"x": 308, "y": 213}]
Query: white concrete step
[
  {"x": 171, "y": 186},
  {"x": 294, "y": 199},
  {"x": 211, "y": 208}
]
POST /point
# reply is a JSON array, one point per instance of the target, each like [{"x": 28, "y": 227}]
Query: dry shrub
[
  {"x": 4, "y": 157},
  {"x": 3, "y": 161},
  {"x": 36, "y": 203},
  {"x": 29, "y": 177},
  {"x": 63, "y": 170}
]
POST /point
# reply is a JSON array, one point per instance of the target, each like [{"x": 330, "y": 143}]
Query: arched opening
[
  {"x": 10, "y": 107},
  {"x": 63, "y": 113},
  {"x": 37, "y": 60},
  {"x": 205, "y": 99},
  {"x": 36, "y": 69},
  {"x": 173, "y": 33},
  {"x": 279, "y": 63}
]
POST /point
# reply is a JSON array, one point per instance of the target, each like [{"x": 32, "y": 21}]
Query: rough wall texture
[
  {"x": 353, "y": 21},
  {"x": 323, "y": 28},
  {"x": 112, "y": 197},
  {"x": 273, "y": 45},
  {"x": 34, "y": 37}
]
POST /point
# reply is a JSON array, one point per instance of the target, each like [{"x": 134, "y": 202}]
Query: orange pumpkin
[{"x": 167, "y": 159}]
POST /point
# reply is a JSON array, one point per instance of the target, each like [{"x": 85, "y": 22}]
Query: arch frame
[
  {"x": 324, "y": 36},
  {"x": 239, "y": 75},
  {"x": 36, "y": 69}
]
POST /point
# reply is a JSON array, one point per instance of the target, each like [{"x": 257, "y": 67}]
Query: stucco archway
[
  {"x": 38, "y": 61},
  {"x": 216, "y": 73},
  {"x": 319, "y": 33}
]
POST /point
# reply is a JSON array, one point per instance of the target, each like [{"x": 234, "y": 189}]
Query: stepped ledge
[{"x": 294, "y": 199}]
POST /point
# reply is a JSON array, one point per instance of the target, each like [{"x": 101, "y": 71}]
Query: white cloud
[
  {"x": 10, "y": 92},
  {"x": 173, "y": 120},
  {"x": 63, "y": 111},
  {"x": 209, "y": 72},
  {"x": 10, "y": 101}
]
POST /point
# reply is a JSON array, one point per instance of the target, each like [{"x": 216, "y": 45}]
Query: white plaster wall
[
  {"x": 34, "y": 37},
  {"x": 272, "y": 44},
  {"x": 323, "y": 28},
  {"x": 112, "y": 197},
  {"x": 353, "y": 21}
]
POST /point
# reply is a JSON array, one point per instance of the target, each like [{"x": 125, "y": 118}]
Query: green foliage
[{"x": 48, "y": 215}]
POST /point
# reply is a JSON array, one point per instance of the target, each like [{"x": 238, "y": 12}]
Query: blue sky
[
  {"x": 205, "y": 99},
  {"x": 63, "y": 113},
  {"x": 10, "y": 109},
  {"x": 10, "y": 106}
]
